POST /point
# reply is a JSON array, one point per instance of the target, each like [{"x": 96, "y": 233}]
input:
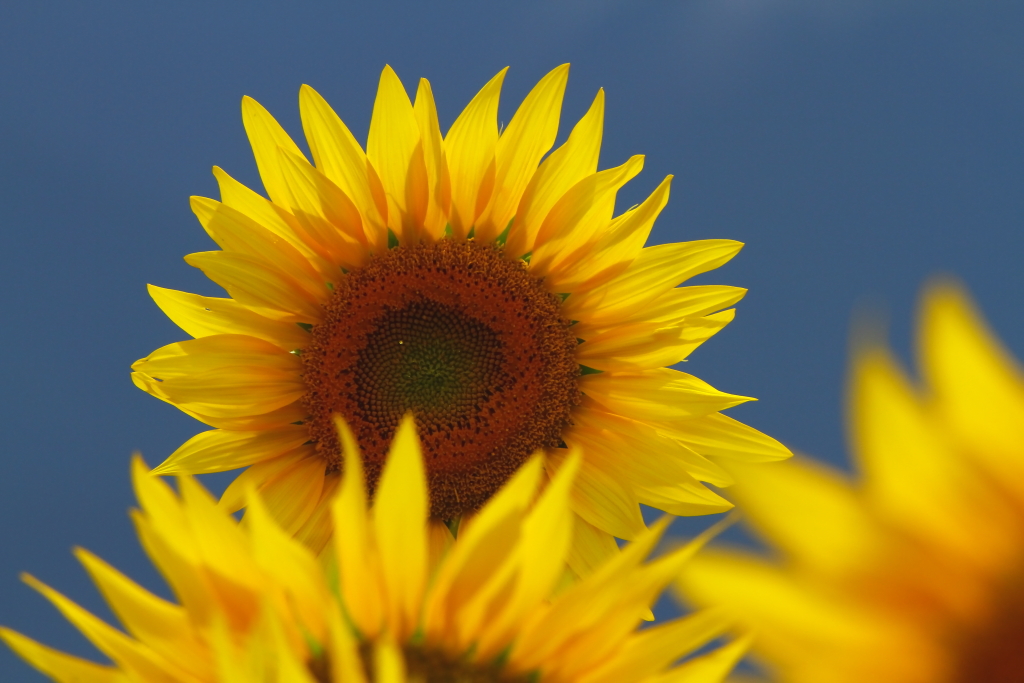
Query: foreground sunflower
[
  {"x": 915, "y": 574},
  {"x": 493, "y": 294},
  {"x": 399, "y": 604}
]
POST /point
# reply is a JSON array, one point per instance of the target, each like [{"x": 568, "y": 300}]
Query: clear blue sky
[{"x": 856, "y": 147}]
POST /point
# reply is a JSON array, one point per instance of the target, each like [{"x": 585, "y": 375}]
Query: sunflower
[
  {"x": 468, "y": 279},
  {"x": 399, "y": 602},
  {"x": 915, "y": 572}
]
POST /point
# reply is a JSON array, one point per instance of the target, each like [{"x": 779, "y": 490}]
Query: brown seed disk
[{"x": 464, "y": 338}]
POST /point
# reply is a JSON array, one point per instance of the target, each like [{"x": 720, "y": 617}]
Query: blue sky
[{"x": 857, "y": 148}]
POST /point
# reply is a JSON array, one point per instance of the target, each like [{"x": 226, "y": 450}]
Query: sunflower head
[
  {"x": 476, "y": 279},
  {"x": 391, "y": 602},
  {"x": 912, "y": 571}
]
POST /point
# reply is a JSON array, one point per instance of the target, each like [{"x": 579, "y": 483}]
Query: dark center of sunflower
[
  {"x": 993, "y": 650},
  {"x": 463, "y": 338}
]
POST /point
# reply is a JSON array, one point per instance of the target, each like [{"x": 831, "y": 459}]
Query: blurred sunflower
[
  {"x": 915, "y": 573},
  {"x": 469, "y": 279},
  {"x": 400, "y": 603}
]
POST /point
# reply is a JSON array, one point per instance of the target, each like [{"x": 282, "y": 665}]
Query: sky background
[{"x": 856, "y": 147}]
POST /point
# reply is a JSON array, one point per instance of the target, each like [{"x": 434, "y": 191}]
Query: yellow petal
[
  {"x": 257, "y": 476},
  {"x": 326, "y": 214},
  {"x": 790, "y": 618},
  {"x": 225, "y": 375},
  {"x": 566, "y": 166},
  {"x": 60, "y": 667},
  {"x": 290, "y": 565},
  {"x": 270, "y": 216},
  {"x": 776, "y": 497},
  {"x": 388, "y": 663},
  {"x": 220, "y": 450},
  {"x": 391, "y": 145},
  {"x": 659, "y": 394},
  {"x": 400, "y": 513},
  {"x": 345, "y": 660},
  {"x": 126, "y": 653},
  {"x": 292, "y": 496},
  {"x": 435, "y": 213},
  {"x": 265, "y": 136},
  {"x": 723, "y": 437},
  {"x": 895, "y": 438},
  {"x": 656, "y": 270},
  {"x": 581, "y": 214},
  {"x": 360, "y": 584},
  {"x": 469, "y": 147},
  {"x": 339, "y": 156},
  {"x": 978, "y": 385},
  {"x": 161, "y": 625},
  {"x": 235, "y": 232},
  {"x": 528, "y": 137},
  {"x": 260, "y": 287},
  {"x": 712, "y": 667},
  {"x": 204, "y": 316},
  {"x": 603, "y": 501},
  {"x": 543, "y": 546},
  {"x": 653, "y": 649},
  {"x": 610, "y": 251},
  {"x": 591, "y": 547},
  {"x": 317, "y": 531},
  {"x": 642, "y": 346}
]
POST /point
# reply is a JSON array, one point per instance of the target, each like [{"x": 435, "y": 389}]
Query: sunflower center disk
[{"x": 468, "y": 341}]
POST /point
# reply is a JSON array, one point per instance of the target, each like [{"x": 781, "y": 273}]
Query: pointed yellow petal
[
  {"x": 400, "y": 513},
  {"x": 345, "y": 660},
  {"x": 610, "y": 251},
  {"x": 204, "y": 316},
  {"x": 265, "y": 136},
  {"x": 435, "y": 214},
  {"x": 260, "y": 287},
  {"x": 291, "y": 566},
  {"x": 641, "y": 346},
  {"x": 895, "y": 438},
  {"x": 161, "y": 625},
  {"x": 522, "y": 145},
  {"x": 292, "y": 496},
  {"x": 340, "y": 157},
  {"x": 220, "y": 450},
  {"x": 225, "y": 375},
  {"x": 658, "y": 394},
  {"x": 257, "y": 476},
  {"x": 390, "y": 146},
  {"x": 580, "y": 214},
  {"x": 127, "y": 653},
  {"x": 566, "y": 166},
  {"x": 652, "y": 650},
  {"x": 603, "y": 501},
  {"x": 713, "y": 667},
  {"x": 359, "y": 580},
  {"x": 723, "y": 437},
  {"x": 591, "y": 547},
  {"x": 656, "y": 270},
  {"x": 776, "y": 497},
  {"x": 979, "y": 386},
  {"x": 270, "y": 216},
  {"x": 237, "y": 233},
  {"x": 326, "y": 214},
  {"x": 57, "y": 665},
  {"x": 317, "y": 530},
  {"x": 543, "y": 546},
  {"x": 469, "y": 146}
]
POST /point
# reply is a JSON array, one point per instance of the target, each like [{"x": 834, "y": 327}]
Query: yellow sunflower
[
  {"x": 914, "y": 573},
  {"x": 469, "y": 279},
  {"x": 399, "y": 602}
]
